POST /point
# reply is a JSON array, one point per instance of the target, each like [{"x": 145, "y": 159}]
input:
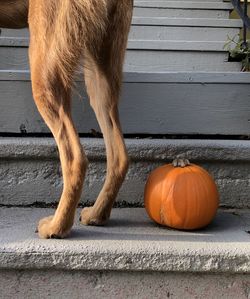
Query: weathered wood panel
[
  {"x": 144, "y": 60},
  {"x": 187, "y": 22},
  {"x": 180, "y": 13},
  {"x": 14, "y": 33},
  {"x": 14, "y": 58},
  {"x": 165, "y": 61},
  {"x": 171, "y": 29},
  {"x": 159, "y": 33},
  {"x": 183, "y": 103},
  {"x": 181, "y": 33},
  {"x": 217, "y": 4},
  {"x": 173, "y": 45}
]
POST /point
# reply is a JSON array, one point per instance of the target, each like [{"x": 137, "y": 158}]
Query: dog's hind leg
[
  {"x": 51, "y": 91},
  {"x": 103, "y": 76}
]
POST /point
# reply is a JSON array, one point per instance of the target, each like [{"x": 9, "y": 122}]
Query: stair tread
[{"x": 129, "y": 242}]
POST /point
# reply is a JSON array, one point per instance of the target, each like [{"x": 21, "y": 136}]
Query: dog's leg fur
[
  {"x": 103, "y": 78},
  {"x": 96, "y": 30},
  {"x": 61, "y": 33},
  {"x": 51, "y": 84}
]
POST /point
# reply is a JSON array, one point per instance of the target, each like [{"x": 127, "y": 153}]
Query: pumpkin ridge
[
  {"x": 164, "y": 198},
  {"x": 171, "y": 206},
  {"x": 186, "y": 186},
  {"x": 195, "y": 190},
  {"x": 205, "y": 189}
]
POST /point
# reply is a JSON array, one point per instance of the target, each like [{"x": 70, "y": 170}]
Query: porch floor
[{"x": 130, "y": 241}]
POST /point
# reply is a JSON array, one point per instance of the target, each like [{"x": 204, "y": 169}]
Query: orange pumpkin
[{"x": 182, "y": 197}]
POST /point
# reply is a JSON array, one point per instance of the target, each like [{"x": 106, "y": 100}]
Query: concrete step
[
  {"x": 129, "y": 258},
  {"x": 30, "y": 173},
  {"x": 151, "y": 103}
]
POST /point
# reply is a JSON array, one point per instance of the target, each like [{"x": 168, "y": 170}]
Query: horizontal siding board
[
  {"x": 181, "y": 33},
  {"x": 160, "y": 105},
  {"x": 16, "y": 58},
  {"x": 168, "y": 77},
  {"x": 161, "y": 33},
  {"x": 164, "y": 61},
  {"x": 185, "y": 4},
  {"x": 159, "y": 45},
  {"x": 181, "y": 13},
  {"x": 14, "y": 32},
  {"x": 187, "y": 22},
  {"x": 176, "y": 45},
  {"x": 14, "y": 42}
]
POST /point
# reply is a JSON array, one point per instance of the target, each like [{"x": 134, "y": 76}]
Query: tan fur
[{"x": 63, "y": 33}]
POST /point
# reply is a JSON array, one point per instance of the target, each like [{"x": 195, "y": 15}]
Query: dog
[{"x": 62, "y": 34}]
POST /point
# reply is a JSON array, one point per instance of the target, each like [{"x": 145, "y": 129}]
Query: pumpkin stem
[{"x": 180, "y": 162}]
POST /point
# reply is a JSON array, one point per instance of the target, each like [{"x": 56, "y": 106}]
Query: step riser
[
  {"x": 13, "y": 58},
  {"x": 162, "y": 33},
  {"x": 212, "y": 46},
  {"x": 14, "y": 33},
  {"x": 117, "y": 284},
  {"x": 181, "y": 33},
  {"x": 30, "y": 171},
  {"x": 185, "y": 4},
  {"x": 174, "y": 61},
  {"x": 172, "y": 103},
  {"x": 186, "y": 22},
  {"x": 180, "y": 13}
]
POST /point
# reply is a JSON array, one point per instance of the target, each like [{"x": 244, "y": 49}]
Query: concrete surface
[
  {"x": 111, "y": 285},
  {"x": 130, "y": 242},
  {"x": 30, "y": 172}
]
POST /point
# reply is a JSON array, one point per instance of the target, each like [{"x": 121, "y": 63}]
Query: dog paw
[
  {"x": 48, "y": 230},
  {"x": 90, "y": 217}
]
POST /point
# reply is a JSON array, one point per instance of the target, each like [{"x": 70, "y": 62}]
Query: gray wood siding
[
  {"x": 141, "y": 60},
  {"x": 182, "y": 81},
  {"x": 172, "y": 103}
]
